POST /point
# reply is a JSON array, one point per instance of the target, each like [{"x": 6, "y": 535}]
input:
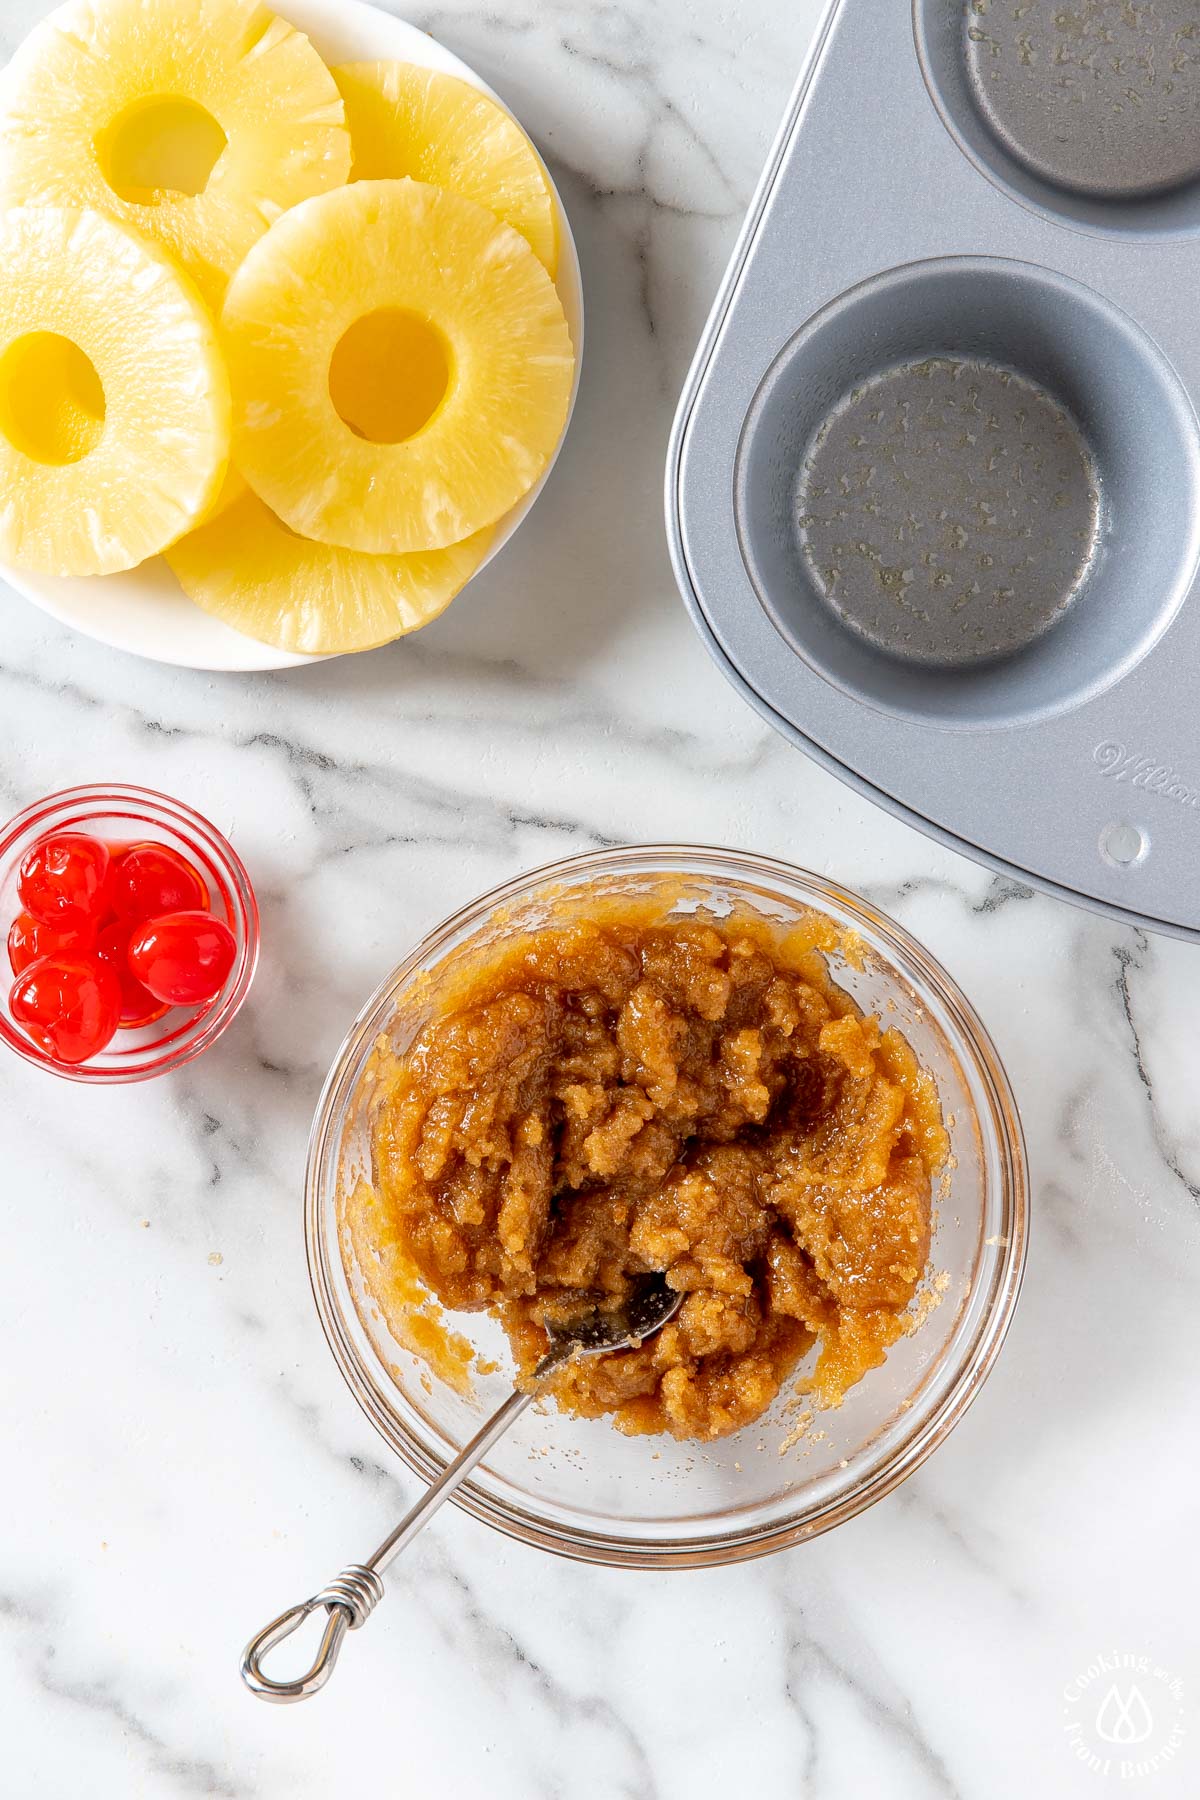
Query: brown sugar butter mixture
[{"x": 632, "y": 1093}]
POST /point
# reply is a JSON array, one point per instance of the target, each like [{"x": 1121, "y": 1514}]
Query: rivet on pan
[{"x": 1123, "y": 845}]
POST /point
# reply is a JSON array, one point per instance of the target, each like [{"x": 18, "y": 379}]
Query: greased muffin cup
[{"x": 577, "y": 1486}]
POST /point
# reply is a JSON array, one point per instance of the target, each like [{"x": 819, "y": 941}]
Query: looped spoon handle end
[
  {"x": 358, "y": 1590},
  {"x": 350, "y": 1600}
]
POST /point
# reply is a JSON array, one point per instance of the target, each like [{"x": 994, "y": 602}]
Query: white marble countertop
[{"x": 182, "y": 1457}]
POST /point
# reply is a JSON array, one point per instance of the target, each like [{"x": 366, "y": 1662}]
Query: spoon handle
[{"x": 352, "y": 1596}]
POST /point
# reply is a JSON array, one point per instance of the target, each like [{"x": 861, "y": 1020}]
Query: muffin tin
[{"x": 934, "y": 486}]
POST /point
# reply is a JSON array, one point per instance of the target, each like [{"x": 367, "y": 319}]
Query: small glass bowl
[
  {"x": 127, "y": 815},
  {"x": 577, "y": 1486}
]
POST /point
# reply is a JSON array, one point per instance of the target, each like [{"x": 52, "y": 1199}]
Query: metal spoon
[{"x": 352, "y": 1596}]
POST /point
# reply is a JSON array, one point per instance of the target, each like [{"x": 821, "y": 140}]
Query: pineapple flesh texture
[
  {"x": 246, "y": 568},
  {"x": 114, "y": 403},
  {"x": 196, "y": 121},
  {"x": 400, "y": 365},
  {"x": 406, "y": 120}
]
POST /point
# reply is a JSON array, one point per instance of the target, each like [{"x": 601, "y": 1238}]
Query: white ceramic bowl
[{"x": 145, "y": 610}]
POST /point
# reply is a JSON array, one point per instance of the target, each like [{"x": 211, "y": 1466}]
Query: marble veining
[{"x": 183, "y": 1457}]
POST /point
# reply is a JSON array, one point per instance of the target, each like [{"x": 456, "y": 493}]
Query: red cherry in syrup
[
  {"x": 69, "y": 1005},
  {"x": 138, "y": 1004},
  {"x": 151, "y": 879},
  {"x": 30, "y": 938},
  {"x": 63, "y": 878},
  {"x": 183, "y": 958}
]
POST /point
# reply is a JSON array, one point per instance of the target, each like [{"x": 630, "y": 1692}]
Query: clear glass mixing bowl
[{"x": 576, "y": 1486}]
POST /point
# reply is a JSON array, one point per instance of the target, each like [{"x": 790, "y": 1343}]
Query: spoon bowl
[{"x": 605, "y": 1327}]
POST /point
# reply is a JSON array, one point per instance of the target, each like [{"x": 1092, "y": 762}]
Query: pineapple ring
[
  {"x": 408, "y": 120},
  {"x": 197, "y": 121},
  {"x": 422, "y": 267},
  {"x": 246, "y": 568},
  {"x": 114, "y": 403}
]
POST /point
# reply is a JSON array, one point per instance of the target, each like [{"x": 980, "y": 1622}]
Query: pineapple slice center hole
[
  {"x": 159, "y": 149},
  {"x": 51, "y": 398},
  {"x": 389, "y": 374}
]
